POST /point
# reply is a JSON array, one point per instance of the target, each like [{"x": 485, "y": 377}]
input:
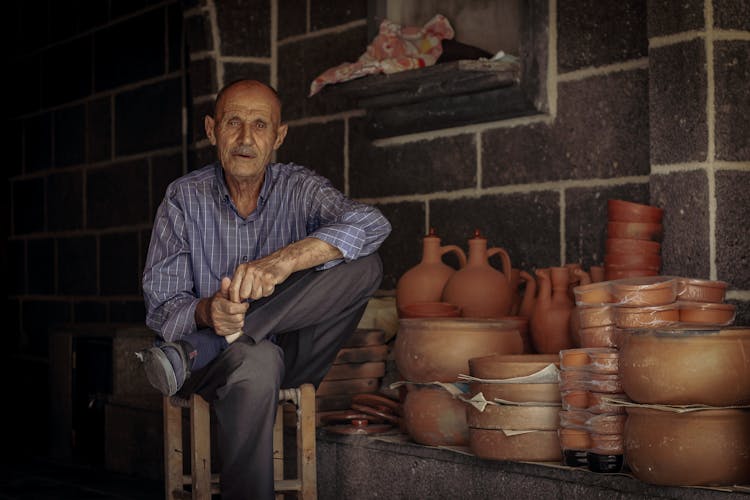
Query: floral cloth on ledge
[{"x": 393, "y": 49}]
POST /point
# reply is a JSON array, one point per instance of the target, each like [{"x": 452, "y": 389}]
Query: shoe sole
[{"x": 159, "y": 371}]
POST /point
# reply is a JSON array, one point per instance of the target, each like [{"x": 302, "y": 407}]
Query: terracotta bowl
[
  {"x": 707, "y": 313},
  {"x": 646, "y": 291},
  {"x": 505, "y": 366},
  {"x": 632, "y": 246},
  {"x": 683, "y": 366},
  {"x": 600, "y": 336},
  {"x": 600, "y": 402},
  {"x": 439, "y": 349},
  {"x": 628, "y": 211},
  {"x": 574, "y": 439},
  {"x": 616, "y": 274},
  {"x": 593, "y": 294},
  {"x": 635, "y": 230},
  {"x": 604, "y": 360},
  {"x": 628, "y": 261},
  {"x": 433, "y": 417},
  {"x": 605, "y": 382},
  {"x": 536, "y": 446},
  {"x": 574, "y": 419},
  {"x": 575, "y": 400},
  {"x": 594, "y": 316},
  {"x": 607, "y": 444},
  {"x": 574, "y": 379},
  {"x": 531, "y": 393},
  {"x": 574, "y": 358},
  {"x": 606, "y": 424},
  {"x": 518, "y": 418},
  {"x": 429, "y": 310},
  {"x": 698, "y": 290},
  {"x": 696, "y": 448}
]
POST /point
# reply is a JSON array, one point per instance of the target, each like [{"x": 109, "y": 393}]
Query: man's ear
[
  {"x": 208, "y": 124},
  {"x": 280, "y": 135}
]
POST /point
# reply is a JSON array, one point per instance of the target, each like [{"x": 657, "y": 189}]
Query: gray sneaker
[{"x": 166, "y": 367}]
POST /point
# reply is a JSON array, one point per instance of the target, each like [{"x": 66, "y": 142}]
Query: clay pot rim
[
  {"x": 434, "y": 310},
  {"x": 704, "y": 283},
  {"x": 653, "y": 246},
  {"x": 706, "y": 306},
  {"x": 520, "y": 358},
  {"x": 614, "y": 204},
  {"x": 479, "y": 324},
  {"x": 647, "y": 309},
  {"x": 660, "y": 411},
  {"x": 644, "y": 283}
]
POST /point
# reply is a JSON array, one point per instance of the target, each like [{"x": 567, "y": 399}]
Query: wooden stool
[{"x": 203, "y": 483}]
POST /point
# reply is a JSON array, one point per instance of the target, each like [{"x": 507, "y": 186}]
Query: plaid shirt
[{"x": 198, "y": 237}]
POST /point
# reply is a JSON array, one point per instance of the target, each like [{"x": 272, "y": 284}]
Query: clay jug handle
[
  {"x": 456, "y": 250},
  {"x": 505, "y": 258},
  {"x": 583, "y": 276}
]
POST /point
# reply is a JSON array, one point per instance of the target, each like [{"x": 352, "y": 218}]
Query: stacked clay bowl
[
  {"x": 434, "y": 417},
  {"x": 523, "y": 426},
  {"x": 705, "y": 368},
  {"x": 633, "y": 235}
]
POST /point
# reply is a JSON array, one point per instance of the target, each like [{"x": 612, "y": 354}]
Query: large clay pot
[
  {"x": 533, "y": 446},
  {"x": 695, "y": 448},
  {"x": 425, "y": 281},
  {"x": 433, "y": 417},
  {"x": 515, "y": 283},
  {"x": 529, "y": 295},
  {"x": 439, "y": 349},
  {"x": 681, "y": 367},
  {"x": 550, "y": 323},
  {"x": 479, "y": 289}
]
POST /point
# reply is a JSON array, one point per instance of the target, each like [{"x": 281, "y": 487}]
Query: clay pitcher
[
  {"x": 582, "y": 278},
  {"x": 550, "y": 322},
  {"x": 425, "y": 281},
  {"x": 597, "y": 274},
  {"x": 479, "y": 289},
  {"x": 515, "y": 283},
  {"x": 529, "y": 295}
]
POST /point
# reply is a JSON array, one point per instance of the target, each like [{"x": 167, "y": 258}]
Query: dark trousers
[{"x": 309, "y": 317}]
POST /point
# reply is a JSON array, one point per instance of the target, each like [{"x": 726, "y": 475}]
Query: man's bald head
[{"x": 248, "y": 83}]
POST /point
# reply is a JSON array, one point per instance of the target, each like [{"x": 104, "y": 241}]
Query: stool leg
[
  {"x": 306, "y": 468},
  {"x": 200, "y": 444},
  {"x": 173, "y": 451},
  {"x": 278, "y": 446}
]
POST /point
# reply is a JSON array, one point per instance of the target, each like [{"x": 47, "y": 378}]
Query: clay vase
[
  {"x": 583, "y": 278},
  {"x": 515, "y": 283},
  {"x": 480, "y": 290},
  {"x": 529, "y": 295},
  {"x": 425, "y": 281},
  {"x": 550, "y": 323},
  {"x": 597, "y": 274}
]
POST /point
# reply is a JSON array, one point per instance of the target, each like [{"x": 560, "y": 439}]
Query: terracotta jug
[
  {"x": 529, "y": 295},
  {"x": 425, "y": 281},
  {"x": 479, "y": 289},
  {"x": 597, "y": 274},
  {"x": 582, "y": 278},
  {"x": 550, "y": 322},
  {"x": 515, "y": 283}
]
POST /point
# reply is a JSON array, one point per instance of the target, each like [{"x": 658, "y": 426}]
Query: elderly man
[{"x": 256, "y": 274}]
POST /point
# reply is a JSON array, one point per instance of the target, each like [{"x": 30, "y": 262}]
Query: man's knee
[
  {"x": 259, "y": 366},
  {"x": 369, "y": 272}
]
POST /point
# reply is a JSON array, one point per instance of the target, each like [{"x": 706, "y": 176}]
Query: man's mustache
[{"x": 243, "y": 151}]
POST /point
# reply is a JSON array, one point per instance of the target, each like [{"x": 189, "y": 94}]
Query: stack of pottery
[
  {"x": 513, "y": 408},
  {"x": 633, "y": 234},
  {"x": 591, "y": 427}
]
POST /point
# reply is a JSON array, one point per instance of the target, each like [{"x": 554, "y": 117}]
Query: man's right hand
[{"x": 220, "y": 313}]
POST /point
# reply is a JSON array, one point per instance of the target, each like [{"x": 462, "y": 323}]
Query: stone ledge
[{"x": 368, "y": 467}]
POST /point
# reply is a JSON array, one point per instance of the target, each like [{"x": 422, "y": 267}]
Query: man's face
[{"x": 246, "y": 129}]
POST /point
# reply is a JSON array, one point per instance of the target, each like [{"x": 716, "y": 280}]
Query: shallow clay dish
[
  {"x": 574, "y": 379},
  {"x": 595, "y": 316},
  {"x": 574, "y": 419},
  {"x": 600, "y": 336},
  {"x": 604, "y": 382},
  {"x": 646, "y": 317},
  {"x": 646, "y": 291},
  {"x": 535, "y": 393},
  {"x": 593, "y": 294},
  {"x": 536, "y": 446},
  {"x": 574, "y": 439},
  {"x": 430, "y": 310},
  {"x": 574, "y": 358},
  {"x": 599, "y": 402},
  {"x": 604, "y": 360},
  {"x": 518, "y": 418},
  {"x": 607, "y": 444},
  {"x": 635, "y": 230},
  {"x": 575, "y": 400},
  {"x": 439, "y": 349},
  {"x": 628, "y": 211},
  {"x": 631, "y": 246},
  {"x": 505, "y": 366},
  {"x": 696, "y": 448},
  {"x": 708, "y": 313},
  {"x": 628, "y": 261},
  {"x": 687, "y": 366},
  {"x": 617, "y": 274},
  {"x": 433, "y": 417},
  {"x": 698, "y": 290},
  {"x": 606, "y": 424}
]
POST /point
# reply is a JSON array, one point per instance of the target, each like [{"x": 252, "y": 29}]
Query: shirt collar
[{"x": 224, "y": 189}]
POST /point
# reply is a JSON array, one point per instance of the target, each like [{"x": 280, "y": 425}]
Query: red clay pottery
[
  {"x": 597, "y": 273},
  {"x": 480, "y": 290},
  {"x": 707, "y": 313},
  {"x": 684, "y": 366},
  {"x": 515, "y": 283},
  {"x": 574, "y": 439},
  {"x": 695, "y": 448},
  {"x": 529, "y": 295},
  {"x": 575, "y": 400},
  {"x": 534, "y": 446},
  {"x": 617, "y": 274},
  {"x": 575, "y": 419},
  {"x": 504, "y": 366},
  {"x": 550, "y": 323},
  {"x": 646, "y": 291},
  {"x": 631, "y": 246},
  {"x": 522, "y": 323},
  {"x": 594, "y": 316},
  {"x": 439, "y": 349},
  {"x": 627, "y": 261},
  {"x": 599, "y": 336},
  {"x": 433, "y": 417},
  {"x": 628, "y": 211},
  {"x": 646, "y": 317},
  {"x": 530, "y": 393},
  {"x": 593, "y": 294},
  {"x": 698, "y": 290},
  {"x": 429, "y": 310},
  {"x": 518, "y": 418},
  {"x": 425, "y": 281},
  {"x": 574, "y": 359},
  {"x": 606, "y": 424},
  {"x": 601, "y": 402},
  {"x": 635, "y": 230}
]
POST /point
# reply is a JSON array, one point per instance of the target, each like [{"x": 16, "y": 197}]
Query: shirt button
[{"x": 244, "y": 258}]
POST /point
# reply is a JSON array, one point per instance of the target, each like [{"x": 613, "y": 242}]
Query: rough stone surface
[
  {"x": 89, "y": 311},
  {"x": 198, "y": 36},
  {"x": 244, "y": 27},
  {"x": 120, "y": 271},
  {"x": 38, "y": 142},
  {"x": 149, "y": 117},
  {"x": 122, "y": 185},
  {"x": 143, "y": 56},
  {"x": 666, "y": 17},
  {"x": 99, "y": 129},
  {"x": 301, "y": 62},
  {"x": 732, "y": 216},
  {"x": 41, "y": 274},
  {"x": 317, "y": 146},
  {"x": 403, "y": 248},
  {"x": 39, "y": 317},
  {"x": 292, "y": 18},
  {"x": 732, "y": 73},
  {"x": 175, "y": 43},
  {"x": 17, "y": 272},
  {"x": 66, "y": 71},
  {"x": 70, "y": 136},
  {"x": 586, "y": 219},
  {"x": 590, "y": 35},
  {"x": 742, "y": 313},
  {"x": 526, "y": 225},
  {"x": 127, "y": 311},
  {"x": 325, "y": 14},
  {"x": 237, "y": 71},
  {"x": 440, "y": 164},
  {"x": 601, "y": 131},
  {"x": 677, "y": 103},
  {"x": 28, "y": 212},
  {"x": 76, "y": 269},
  {"x": 685, "y": 246},
  {"x": 203, "y": 77},
  {"x": 65, "y": 201},
  {"x": 732, "y": 14}
]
